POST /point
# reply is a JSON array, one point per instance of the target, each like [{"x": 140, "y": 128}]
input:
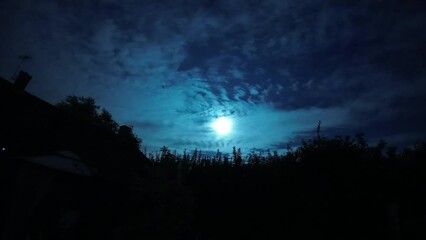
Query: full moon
[{"x": 222, "y": 125}]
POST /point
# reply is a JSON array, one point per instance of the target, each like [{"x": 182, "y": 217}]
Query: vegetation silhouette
[
  {"x": 85, "y": 109},
  {"x": 332, "y": 188}
]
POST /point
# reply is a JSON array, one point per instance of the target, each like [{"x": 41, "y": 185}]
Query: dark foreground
[{"x": 326, "y": 189}]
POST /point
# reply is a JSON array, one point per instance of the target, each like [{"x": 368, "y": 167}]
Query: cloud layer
[{"x": 169, "y": 68}]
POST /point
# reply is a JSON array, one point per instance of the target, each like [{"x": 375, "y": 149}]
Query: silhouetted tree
[
  {"x": 236, "y": 155},
  {"x": 85, "y": 109}
]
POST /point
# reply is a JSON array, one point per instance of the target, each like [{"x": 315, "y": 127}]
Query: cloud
[{"x": 275, "y": 67}]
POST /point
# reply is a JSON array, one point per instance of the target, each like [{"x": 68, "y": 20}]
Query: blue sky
[{"x": 169, "y": 68}]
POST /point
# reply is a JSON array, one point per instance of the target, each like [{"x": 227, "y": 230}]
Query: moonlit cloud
[{"x": 275, "y": 67}]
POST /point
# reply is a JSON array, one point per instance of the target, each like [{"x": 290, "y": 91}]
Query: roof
[{"x": 64, "y": 161}]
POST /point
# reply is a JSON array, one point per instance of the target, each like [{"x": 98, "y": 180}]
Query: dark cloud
[
  {"x": 146, "y": 125},
  {"x": 275, "y": 67}
]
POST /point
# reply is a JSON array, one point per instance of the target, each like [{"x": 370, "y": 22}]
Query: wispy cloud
[{"x": 169, "y": 68}]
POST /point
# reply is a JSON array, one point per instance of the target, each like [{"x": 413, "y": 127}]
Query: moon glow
[{"x": 222, "y": 126}]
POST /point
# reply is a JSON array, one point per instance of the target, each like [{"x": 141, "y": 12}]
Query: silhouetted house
[
  {"x": 60, "y": 176},
  {"x": 31, "y": 126}
]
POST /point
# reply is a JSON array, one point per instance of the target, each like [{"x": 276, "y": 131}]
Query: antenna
[{"x": 23, "y": 58}]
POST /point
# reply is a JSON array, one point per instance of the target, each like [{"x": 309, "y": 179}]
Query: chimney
[
  {"x": 22, "y": 80},
  {"x": 124, "y": 132}
]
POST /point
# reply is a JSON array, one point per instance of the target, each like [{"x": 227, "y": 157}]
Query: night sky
[{"x": 273, "y": 68}]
